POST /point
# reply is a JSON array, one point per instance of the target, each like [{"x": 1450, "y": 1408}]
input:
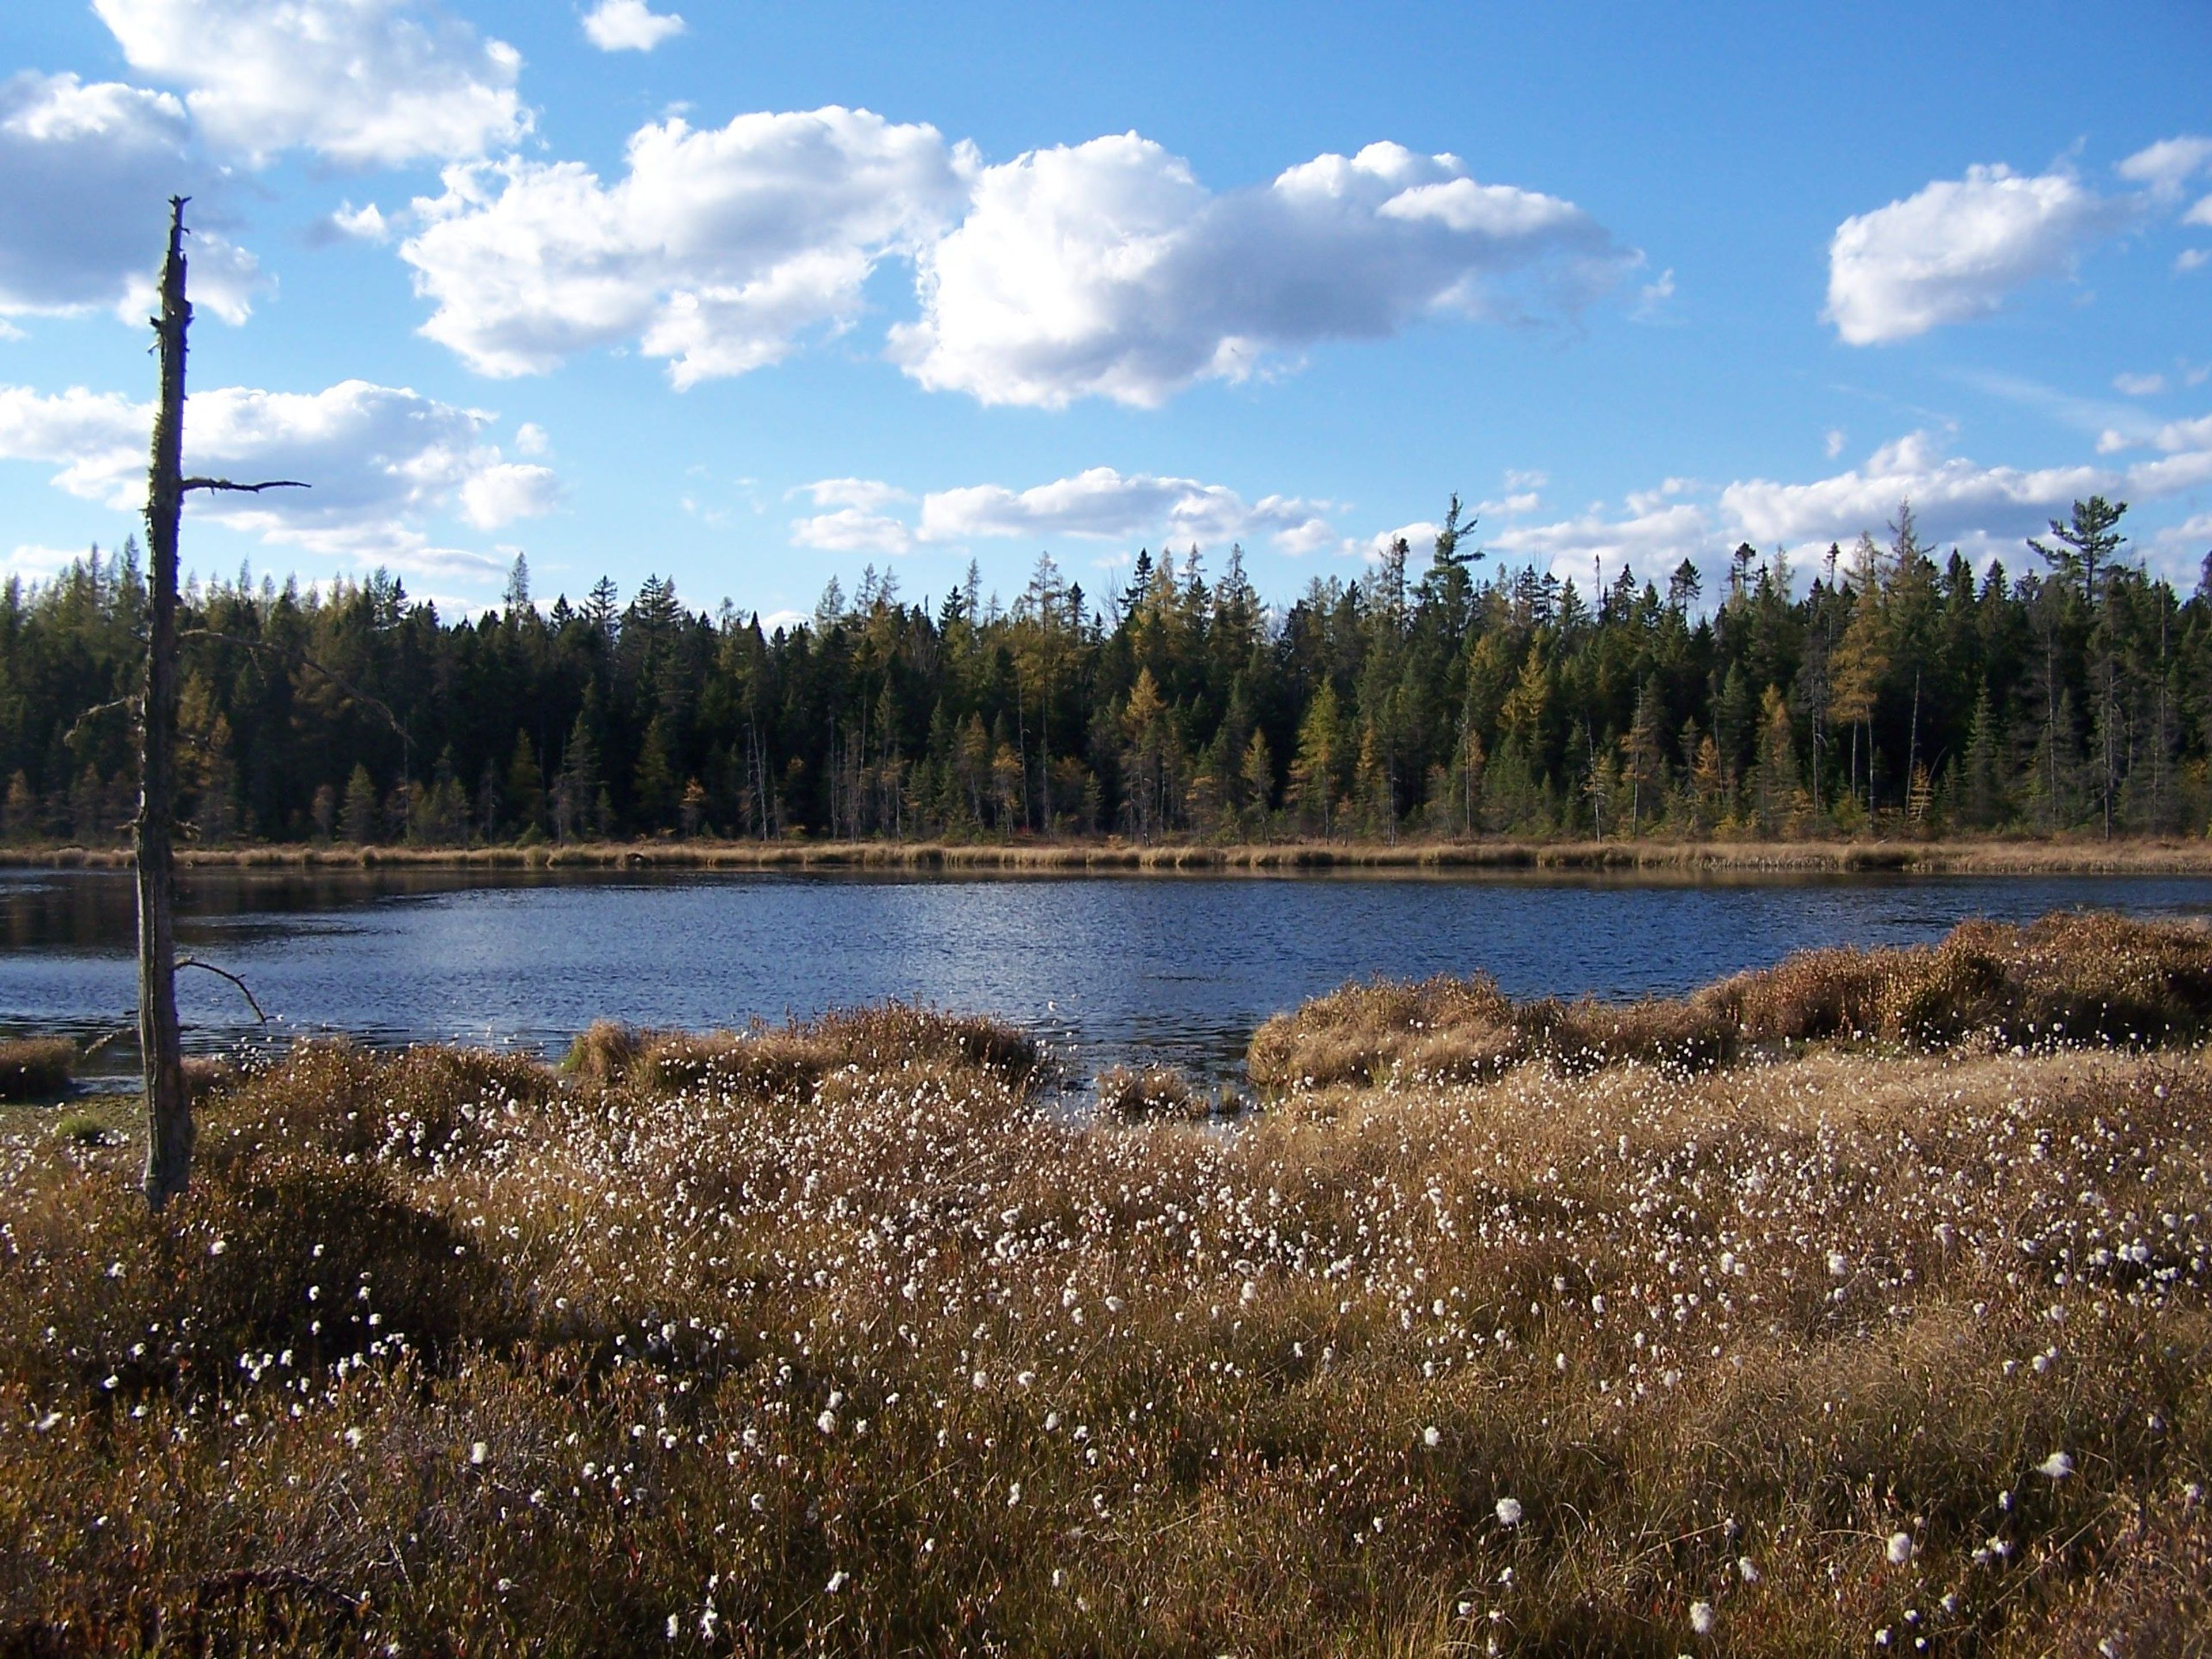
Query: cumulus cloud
[
  {"x": 1103, "y": 504},
  {"x": 1957, "y": 248},
  {"x": 1107, "y": 270},
  {"x": 2139, "y": 386},
  {"x": 362, "y": 83},
  {"x": 629, "y": 26},
  {"x": 852, "y": 530},
  {"x": 1652, "y": 531},
  {"x": 716, "y": 251},
  {"x": 361, "y": 224},
  {"x": 381, "y": 461},
  {"x": 1958, "y": 501},
  {"x": 36, "y": 563},
  {"x": 85, "y": 175},
  {"x": 2168, "y": 165}
]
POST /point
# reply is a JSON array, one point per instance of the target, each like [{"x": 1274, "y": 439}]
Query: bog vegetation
[
  {"x": 1898, "y": 691},
  {"x": 1879, "y": 1325}
]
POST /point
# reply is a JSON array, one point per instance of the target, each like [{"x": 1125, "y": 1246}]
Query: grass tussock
[
  {"x": 2070, "y": 977},
  {"x": 36, "y": 1069},
  {"x": 767, "y": 1061},
  {"x": 1133, "y": 1094},
  {"x": 682, "y": 1352}
]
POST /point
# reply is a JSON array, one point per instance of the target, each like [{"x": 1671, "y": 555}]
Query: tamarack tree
[{"x": 169, "y": 1128}]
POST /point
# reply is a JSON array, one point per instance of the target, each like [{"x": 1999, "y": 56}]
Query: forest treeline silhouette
[{"x": 1900, "y": 691}]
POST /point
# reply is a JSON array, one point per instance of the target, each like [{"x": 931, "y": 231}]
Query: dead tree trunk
[{"x": 169, "y": 1128}]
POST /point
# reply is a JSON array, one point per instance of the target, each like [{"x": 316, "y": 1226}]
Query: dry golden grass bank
[
  {"x": 2078, "y": 977},
  {"x": 1653, "y": 859},
  {"x": 829, "y": 1340}
]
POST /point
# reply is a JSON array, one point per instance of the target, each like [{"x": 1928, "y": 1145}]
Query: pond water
[{"x": 1177, "y": 969}]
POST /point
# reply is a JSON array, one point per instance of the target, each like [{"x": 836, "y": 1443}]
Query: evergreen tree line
[{"x": 1899, "y": 694}]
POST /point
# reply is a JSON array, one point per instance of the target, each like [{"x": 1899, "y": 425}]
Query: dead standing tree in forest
[{"x": 169, "y": 1129}]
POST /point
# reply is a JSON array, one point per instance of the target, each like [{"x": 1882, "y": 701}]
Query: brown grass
[
  {"x": 2080, "y": 977},
  {"x": 36, "y": 1069},
  {"x": 861, "y": 1351},
  {"x": 1133, "y": 1094},
  {"x": 1656, "y": 859}
]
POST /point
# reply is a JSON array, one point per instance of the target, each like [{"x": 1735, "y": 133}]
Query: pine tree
[{"x": 357, "y": 816}]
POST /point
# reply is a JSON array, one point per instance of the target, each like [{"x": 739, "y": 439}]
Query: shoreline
[{"x": 2025, "y": 857}]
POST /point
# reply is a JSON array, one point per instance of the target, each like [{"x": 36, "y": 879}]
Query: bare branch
[
  {"x": 303, "y": 661},
  {"x": 243, "y": 489},
  {"x": 243, "y": 989},
  {"x": 99, "y": 1043},
  {"x": 96, "y": 712}
]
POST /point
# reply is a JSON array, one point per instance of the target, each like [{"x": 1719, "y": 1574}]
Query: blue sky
[{"x": 791, "y": 289}]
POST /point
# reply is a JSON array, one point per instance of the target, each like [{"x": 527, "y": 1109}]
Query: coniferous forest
[{"x": 1889, "y": 688}]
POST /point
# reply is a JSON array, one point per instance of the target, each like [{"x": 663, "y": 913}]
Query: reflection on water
[{"x": 1173, "y": 969}]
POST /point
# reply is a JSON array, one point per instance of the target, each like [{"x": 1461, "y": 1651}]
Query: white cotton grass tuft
[
  {"x": 1509, "y": 1511},
  {"x": 1701, "y": 1618},
  {"x": 1430, "y": 1437},
  {"x": 1746, "y": 1569},
  {"x": 477, "y": 1452},
  {"x": 2057, "y": 1467},
  {"x": 1900, "y": 1548}
]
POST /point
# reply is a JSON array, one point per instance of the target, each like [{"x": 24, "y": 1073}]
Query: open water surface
[{"x": 1178, "y": 970}]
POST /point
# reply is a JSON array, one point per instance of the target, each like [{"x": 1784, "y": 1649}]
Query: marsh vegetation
[{"x": 1880, "y": 1320}]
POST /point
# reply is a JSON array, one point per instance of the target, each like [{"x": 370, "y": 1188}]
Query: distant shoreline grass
[
  {"x": 2053, "y": 856},
  {"x": 828, "y": 1339}
]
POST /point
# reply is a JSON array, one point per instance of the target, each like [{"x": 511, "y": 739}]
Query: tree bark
[{"x": 169, "y": 1128}]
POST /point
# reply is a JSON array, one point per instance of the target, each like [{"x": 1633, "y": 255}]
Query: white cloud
[
  {"x": 2185, "y": 547},
  {"x": 35, "y": 563},
  {"x": 2139, "y": 386},
  {"x": 529, "y": 439},
  {"x": 1953, "y": 498},
  {"x": 1957, "y": 248},
  {"x": 2168, "y": 165},
  {"x": 381, "y": 461},
  {"x": 715, "y": 251},
  {"x": 1653, "y": 533},
  {"x": 866, "y": 494},
  {"x": 1106, "y": 269},
  {"x": 1102, "y": 504},
  {"x": 85, "y": 172},
  {"x": 1652, "y": 299},
  {"x": 363, "y": 82},
  {"x": 629, "y": 26},
  {"x": 1957, "y": 501},
  {"x": 363, "y": 224},
  {"x": 2191, "y": 259},
  {"x": 2200, "y": 213},
  {"x": 852, "y": 530},
  {"x": 1418, "y": 536}
]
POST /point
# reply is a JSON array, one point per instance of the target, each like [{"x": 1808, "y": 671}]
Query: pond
[{"x": 1173, "y": 969}]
